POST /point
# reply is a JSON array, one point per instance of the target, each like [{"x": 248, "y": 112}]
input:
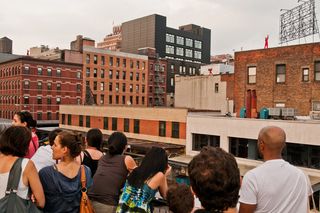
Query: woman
[
  {"x": 14, "y": 143},
  {"x": 24, "y": 118},
  {"x": 91, "y": 155},
  {"x": 111, "y": 174},
  {"x": 145, "y": 181},
  {"x": 61, "y": 182}
]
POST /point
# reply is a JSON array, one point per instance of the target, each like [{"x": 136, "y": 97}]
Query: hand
[{"x": 168, "y": 171}]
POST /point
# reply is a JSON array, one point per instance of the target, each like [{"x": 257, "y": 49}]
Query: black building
[{"x": 185, "y": 48}]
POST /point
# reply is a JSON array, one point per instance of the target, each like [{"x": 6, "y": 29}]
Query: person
[
  {"x": 113, "y": 169},
  {"x": 62, "y": 182},
  {"x": 180, "y": 199},
  {"x": 276, "y": 185},
  {"x": 43, "y": 156},
  {"x": 215, "y": 180},
  {"x": 24, "y": 118},
  {"x": 144, "y": 182},
  {"x": 91, "y": 155},
  {"x": 14, "y": 143}
]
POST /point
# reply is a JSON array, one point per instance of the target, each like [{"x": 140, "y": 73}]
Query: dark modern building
[{"x": 185, "y": 48}]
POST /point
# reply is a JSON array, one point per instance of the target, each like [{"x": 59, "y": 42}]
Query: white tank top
[{"x": 22, "y": 189}]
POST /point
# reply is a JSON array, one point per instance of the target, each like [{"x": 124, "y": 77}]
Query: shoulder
[{"x": 46, "y": 171}]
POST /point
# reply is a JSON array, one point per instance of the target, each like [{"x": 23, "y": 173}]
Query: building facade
[
  {"x": 115, "y": 78},
  {"x": 38, "y": 86},
  {"x": 163, "y": 125},
  {"x": 5, "y": 45},
  {"x": 112, "y": 41},
  {"x": 209, "y": 92},
  {"x": 281, "y": 77}
]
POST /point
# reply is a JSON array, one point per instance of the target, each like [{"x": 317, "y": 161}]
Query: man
[
  {"x": 215, "y": 180},
  {"x": 276, "y": 185},
  {"x": 43, "y": 155}
]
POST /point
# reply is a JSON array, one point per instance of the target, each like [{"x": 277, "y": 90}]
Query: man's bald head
[{"x": 274, "y": 138}]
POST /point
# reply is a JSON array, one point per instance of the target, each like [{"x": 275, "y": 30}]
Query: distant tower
[{"x": 5, "y": 45}]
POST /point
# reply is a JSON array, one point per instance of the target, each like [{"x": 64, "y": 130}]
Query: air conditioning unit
[{"x": 315, "y": 115}]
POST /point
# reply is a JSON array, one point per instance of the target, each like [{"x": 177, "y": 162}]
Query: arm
[
  {"x": 163, "y": 188},
  {"x": 247, "y": 208},
  {"x": 130, "y": 163},
  {"x": 33, "y": 179}
]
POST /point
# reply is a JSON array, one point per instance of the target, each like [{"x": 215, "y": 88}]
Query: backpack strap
[
  {"x": 86, "y": 153},
  {"x": 14, "y": 176}
]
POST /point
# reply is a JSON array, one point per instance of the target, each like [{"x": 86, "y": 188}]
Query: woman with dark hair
[
  {"x": 111, "y": 174},
  {"x": 62, "y": 182},
  {"x": 91, "y": 155},
  {"x": 14, "y": 143},
  {"x": 145, "y": 181},
  {"x": 24, "y": 118}
]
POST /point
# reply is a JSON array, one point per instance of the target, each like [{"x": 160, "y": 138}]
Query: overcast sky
[{"x": 234, "y": 24}]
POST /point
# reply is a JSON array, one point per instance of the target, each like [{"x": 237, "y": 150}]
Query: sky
[{"x": 235, "y": 24}]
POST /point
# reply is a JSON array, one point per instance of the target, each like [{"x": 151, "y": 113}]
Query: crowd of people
[{"x": 51, "y": 174}]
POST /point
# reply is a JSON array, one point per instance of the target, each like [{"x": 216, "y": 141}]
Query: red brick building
[
  {"x": 281, "y": 77},
  {"x": 38, "y": 86},
  {"x": 115, "y": 78}
]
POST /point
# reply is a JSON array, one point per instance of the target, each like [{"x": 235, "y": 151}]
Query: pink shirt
[{"x": 33, "y": 145}]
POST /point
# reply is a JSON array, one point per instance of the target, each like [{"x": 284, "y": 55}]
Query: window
[
  {"x": 102, "y": 73},
  {"x": 78, "y": 101},
  {"x": 95, "y": 59},
  {"x": 102, "y": 86},
  {"x": 110, "y": 99},
  {"x": 110, "y": 86},
  {"x": 39, "y": 85},
  {"x": 39, "y": 100},
  {"x": 117, "y": 87},
  {"x": 189, "y": 53},
  {"x": 280, "y": 73},
  {"x": 80, "y": 120},
  {"x": 137, "y": 88},
  {"x": 124, "y": 62},
  {"x": 117, "y": 74},
  {"x": 137, "y": 76},
  {"x": 102, "y": 60},
  {"x": 78, "y": 87},
  {"x": 118, "y": 62},
  {"x": 49, "y": 86},
  {"x": 63, "y": 118},
  {"x": 26, "y": 100},
  {"x": 162, "y": 128},
  {"x": 189, "y": 42},
  {"x": 49, "y": 72},
  {"x": 197, "y": 54},
  {"x": 95, "y": 86},
  {"x": 88, "y": 121},
  {"x": 114, "y": 124},
  {"x": 305, "y": 74},
  {"x": 131, "y": 64},
  {"x": 88, "y": 59},
  {"x": 131, "y": 76},
  {"x": 101, "y": 99},
  {"x": 49, "y": 116},
  {"x": 39, "y": 71},
  {"x": 95, "y": 72},
  {"x": 123, "y": 99},
  {"x": 87, "y": 72},
  {"x": 143, "y": 77},
  {"x": 111, "y": 61},
  {"x": 175, "y": 130},
  {"x": 200, "y": 140},
  {"x": 180, "y": 40},
  {"x": 39, "y": 115},
  {"x": 179, "y": 51},
  {"x": 78, "y": 75},
  {"x": 124, "y": 75},
  {"x": 126, "y": 125},
  {"x": 26, "y": 70},
  {"x": 143, "y": 88},
  {"x": 136, "y": 126},
  {"x": 137, "y": 100},
  {"x": 58, "y": 100},
  {"x": 123, "y": 87},
  {"x": 171, "y": 81},
  {"x": 105, "y": 123},
  {"x": 197, "y": 44},
  {"x": 131, "y": 88},
  {"x": 69, "y": 119},
  {"x": 216, "y": 87},
  {"x": 58, "y": 73},
  {"x": 252, "y": 72},
  {"x": 48, "y": 101},
  {"x": 117, "y": 99},
  {"x": 143, "y": 65},
  {"x": 317, "y": 71},
  {"x": 110, "y": 74},
  {"x": 169, "y": 49},
  {"x": 169, "y": 38}
]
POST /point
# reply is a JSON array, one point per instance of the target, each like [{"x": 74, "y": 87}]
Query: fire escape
[{"x": 159, "y": 80}]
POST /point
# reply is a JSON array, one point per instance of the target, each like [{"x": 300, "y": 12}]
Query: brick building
[
  {"x": 115, "y": 78},
  {"x": 165, "y": 125},
  {"x": 157, "y": 77},
  {"x": 38, "y": 86},
  {"x": 281, "y": 77}
]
